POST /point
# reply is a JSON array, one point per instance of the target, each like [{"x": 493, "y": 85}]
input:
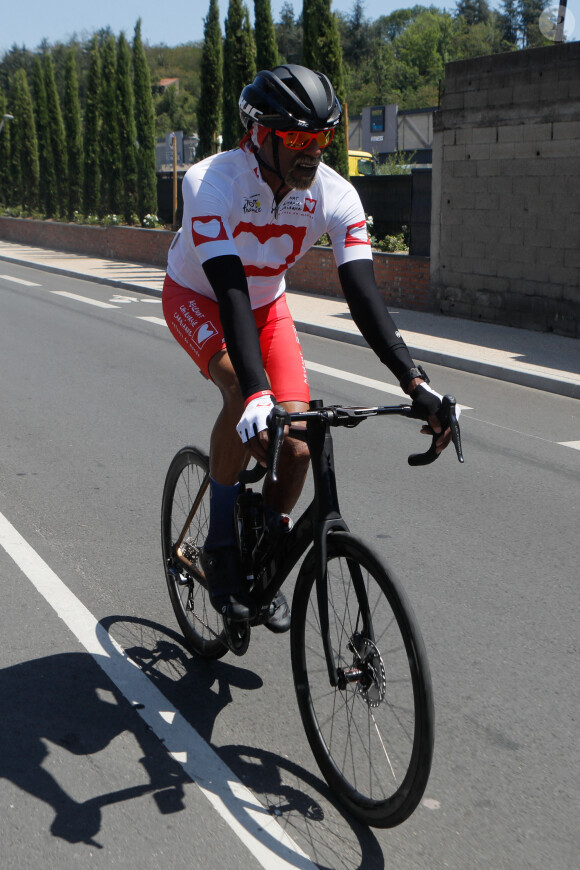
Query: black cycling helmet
[{"x": 290, "y": 97}]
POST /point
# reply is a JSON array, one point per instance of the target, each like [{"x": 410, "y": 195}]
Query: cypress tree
[
  {"x": 266, "y": 45},
  {"x": 92, "y": 134},
  {"x": 48, "y": 192},
  {"x": 145, "y": 125},
  {"x": 210, "y": 99},
  {"x": 111, "y": 180},
  {"x": 321, "y": 50},
  {"x": 74, "y": 138},
  {"x": 5, "y": 181},
  {"x": 127, "y": 130},
  {"x": 57, "y": 136},
  {"x": 24, "y": 145},
  {"x": 239, "y": 69}
]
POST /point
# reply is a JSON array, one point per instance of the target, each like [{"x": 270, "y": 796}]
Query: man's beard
[{"x": 299, "y": 176}]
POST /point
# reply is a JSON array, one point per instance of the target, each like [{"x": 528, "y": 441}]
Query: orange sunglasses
[{"x": 297, "y": 140}]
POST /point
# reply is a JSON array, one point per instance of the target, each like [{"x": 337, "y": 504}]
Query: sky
[{"x": 29, "y": 22}]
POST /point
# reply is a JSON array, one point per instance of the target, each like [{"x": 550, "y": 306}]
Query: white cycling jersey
[{"x": 229, "y": 209}]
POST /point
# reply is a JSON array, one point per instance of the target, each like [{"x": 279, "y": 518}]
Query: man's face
[{"x": 297, "y": 168}]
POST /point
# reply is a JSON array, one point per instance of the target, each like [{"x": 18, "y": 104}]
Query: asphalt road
[{"x": 94, "y": 402}]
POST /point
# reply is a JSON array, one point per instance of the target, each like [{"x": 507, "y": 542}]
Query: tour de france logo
[{"x": 252, "y": 205}]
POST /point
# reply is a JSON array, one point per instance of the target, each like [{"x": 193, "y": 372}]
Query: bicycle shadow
[
  {"x": 201, "y": 689},
  {"x": 67, "y": 700}
]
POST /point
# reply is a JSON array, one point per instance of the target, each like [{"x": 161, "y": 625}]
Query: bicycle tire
[
  {"x": 200, "y": 624},
  {"x": 372, "y": 738}
]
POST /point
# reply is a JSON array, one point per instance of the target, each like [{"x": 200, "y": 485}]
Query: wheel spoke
[
  {"x": 185, "y": 520},
  {"x": 372, "y": 733}
]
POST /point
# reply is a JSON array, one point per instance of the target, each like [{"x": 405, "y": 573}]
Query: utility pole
[{"x": 174, "y": 141}]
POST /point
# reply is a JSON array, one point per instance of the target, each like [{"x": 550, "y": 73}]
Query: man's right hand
[{"x": 253, "y": 422}]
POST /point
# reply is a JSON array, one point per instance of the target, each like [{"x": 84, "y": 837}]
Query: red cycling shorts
[{"x": 195, "y": 322}]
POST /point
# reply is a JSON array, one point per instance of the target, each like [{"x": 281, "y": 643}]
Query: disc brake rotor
[{"x": 373, "y": 683}]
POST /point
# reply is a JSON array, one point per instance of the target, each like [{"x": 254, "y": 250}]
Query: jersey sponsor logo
[
  {"x": 209, "y": 228},
  {"x": 252, "y": 204},
  {"x": 310, "y": 205},
  {"x": 266, "y": 234},
  {"x": 206, "y": 331},
  {"x": 356, "y": 234}
]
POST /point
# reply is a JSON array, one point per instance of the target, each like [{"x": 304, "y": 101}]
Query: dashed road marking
[
  {"x": 160, "y": 321},
  {"x": 96, "y": 302},
  {"x": 20, "y": 281},
  {"x": 574, "y": 444}
]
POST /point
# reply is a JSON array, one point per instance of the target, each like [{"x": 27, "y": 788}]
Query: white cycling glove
[{"x": 255, "y": 416}]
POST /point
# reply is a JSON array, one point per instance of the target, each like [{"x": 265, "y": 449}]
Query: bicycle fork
[{"x": 327, "y": 517}]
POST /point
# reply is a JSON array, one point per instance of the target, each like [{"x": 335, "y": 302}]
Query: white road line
[
  {"x": 362, "y": 381},
  {"x": 160, "y": 321},
  {"x": 20, "y": 281},
  {"x": 574, "y": 444},
  {"x": 78, "y": 298},
  {"x": 238, "y": 807}
]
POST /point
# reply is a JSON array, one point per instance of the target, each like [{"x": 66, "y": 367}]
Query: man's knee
[
  {"x": 224, "y": 377},
  {"x": 295, "y": 453}
]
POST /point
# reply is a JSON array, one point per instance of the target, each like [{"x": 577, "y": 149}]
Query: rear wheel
[
  {"x": 184, "y": 523},
  {"x": 372, "y": 735}
]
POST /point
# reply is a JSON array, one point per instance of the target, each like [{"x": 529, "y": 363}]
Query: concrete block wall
[{"x": 505, "y": 236}]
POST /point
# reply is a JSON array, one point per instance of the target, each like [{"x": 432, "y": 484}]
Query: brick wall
[
  {"x": 403, "y": 280},
  {"x": 505, "y": 239},
  {"x": 148, "y": 247}
]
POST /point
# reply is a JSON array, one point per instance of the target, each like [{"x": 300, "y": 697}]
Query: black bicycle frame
[{"x": 320, "y": 517}]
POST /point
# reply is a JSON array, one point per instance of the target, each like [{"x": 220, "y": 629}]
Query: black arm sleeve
[
  {"x": 370, "y": 314},
  {"x": 228, "y": 280}
]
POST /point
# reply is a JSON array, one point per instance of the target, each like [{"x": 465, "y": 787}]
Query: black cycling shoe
[
  {"x": 279, "y": 619},
  {"x": 223, "y": 574}
]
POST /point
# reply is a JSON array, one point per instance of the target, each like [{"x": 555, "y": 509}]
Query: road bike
[{"x": 359, "y": 665}]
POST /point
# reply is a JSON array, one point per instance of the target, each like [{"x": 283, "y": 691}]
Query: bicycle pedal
[{"x": 237, "y": 636}]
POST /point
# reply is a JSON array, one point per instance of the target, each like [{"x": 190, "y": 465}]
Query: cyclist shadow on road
[
  {"x": 301, "y": 801},
  {"x": 67, "y": 701}
]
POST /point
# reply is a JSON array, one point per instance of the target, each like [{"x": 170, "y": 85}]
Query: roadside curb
[{"x": 534, "y": 380}]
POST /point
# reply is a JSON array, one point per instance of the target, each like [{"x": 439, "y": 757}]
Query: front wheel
[
  {"x": 184, "y": 523},
  {"x": 372, "y": 734}
]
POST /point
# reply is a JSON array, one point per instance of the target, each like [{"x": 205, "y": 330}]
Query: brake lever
[
  {"x": 448, "y": 419},
  {"x": 278, "y": 419}
]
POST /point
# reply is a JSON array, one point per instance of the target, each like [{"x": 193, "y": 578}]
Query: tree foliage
[
  {"x": 145, "y": 128},
  {"x": 74, "y": 136},
  {"x": 397, "y": 58},
  {"x": 127, "y": 130},
  {"x": 24, "y": 164},
  {"x": 92, "y": 137},
  {"x": 48, "y": 194},
  {"x": 289, "y": 35},
  {"x": 239, "y": 69},
  {"x": 210, "y": 100},
  {"x": 322, "y": 51},
  {"x": 56, "y": 135},
  {"x": 265, "y": 34},
  {"x": 110, "y": 152},
  {"x": 5, "y": 184}
]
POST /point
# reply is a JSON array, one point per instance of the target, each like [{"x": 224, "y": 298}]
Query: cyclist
[{"x": 248, "y": 214}]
